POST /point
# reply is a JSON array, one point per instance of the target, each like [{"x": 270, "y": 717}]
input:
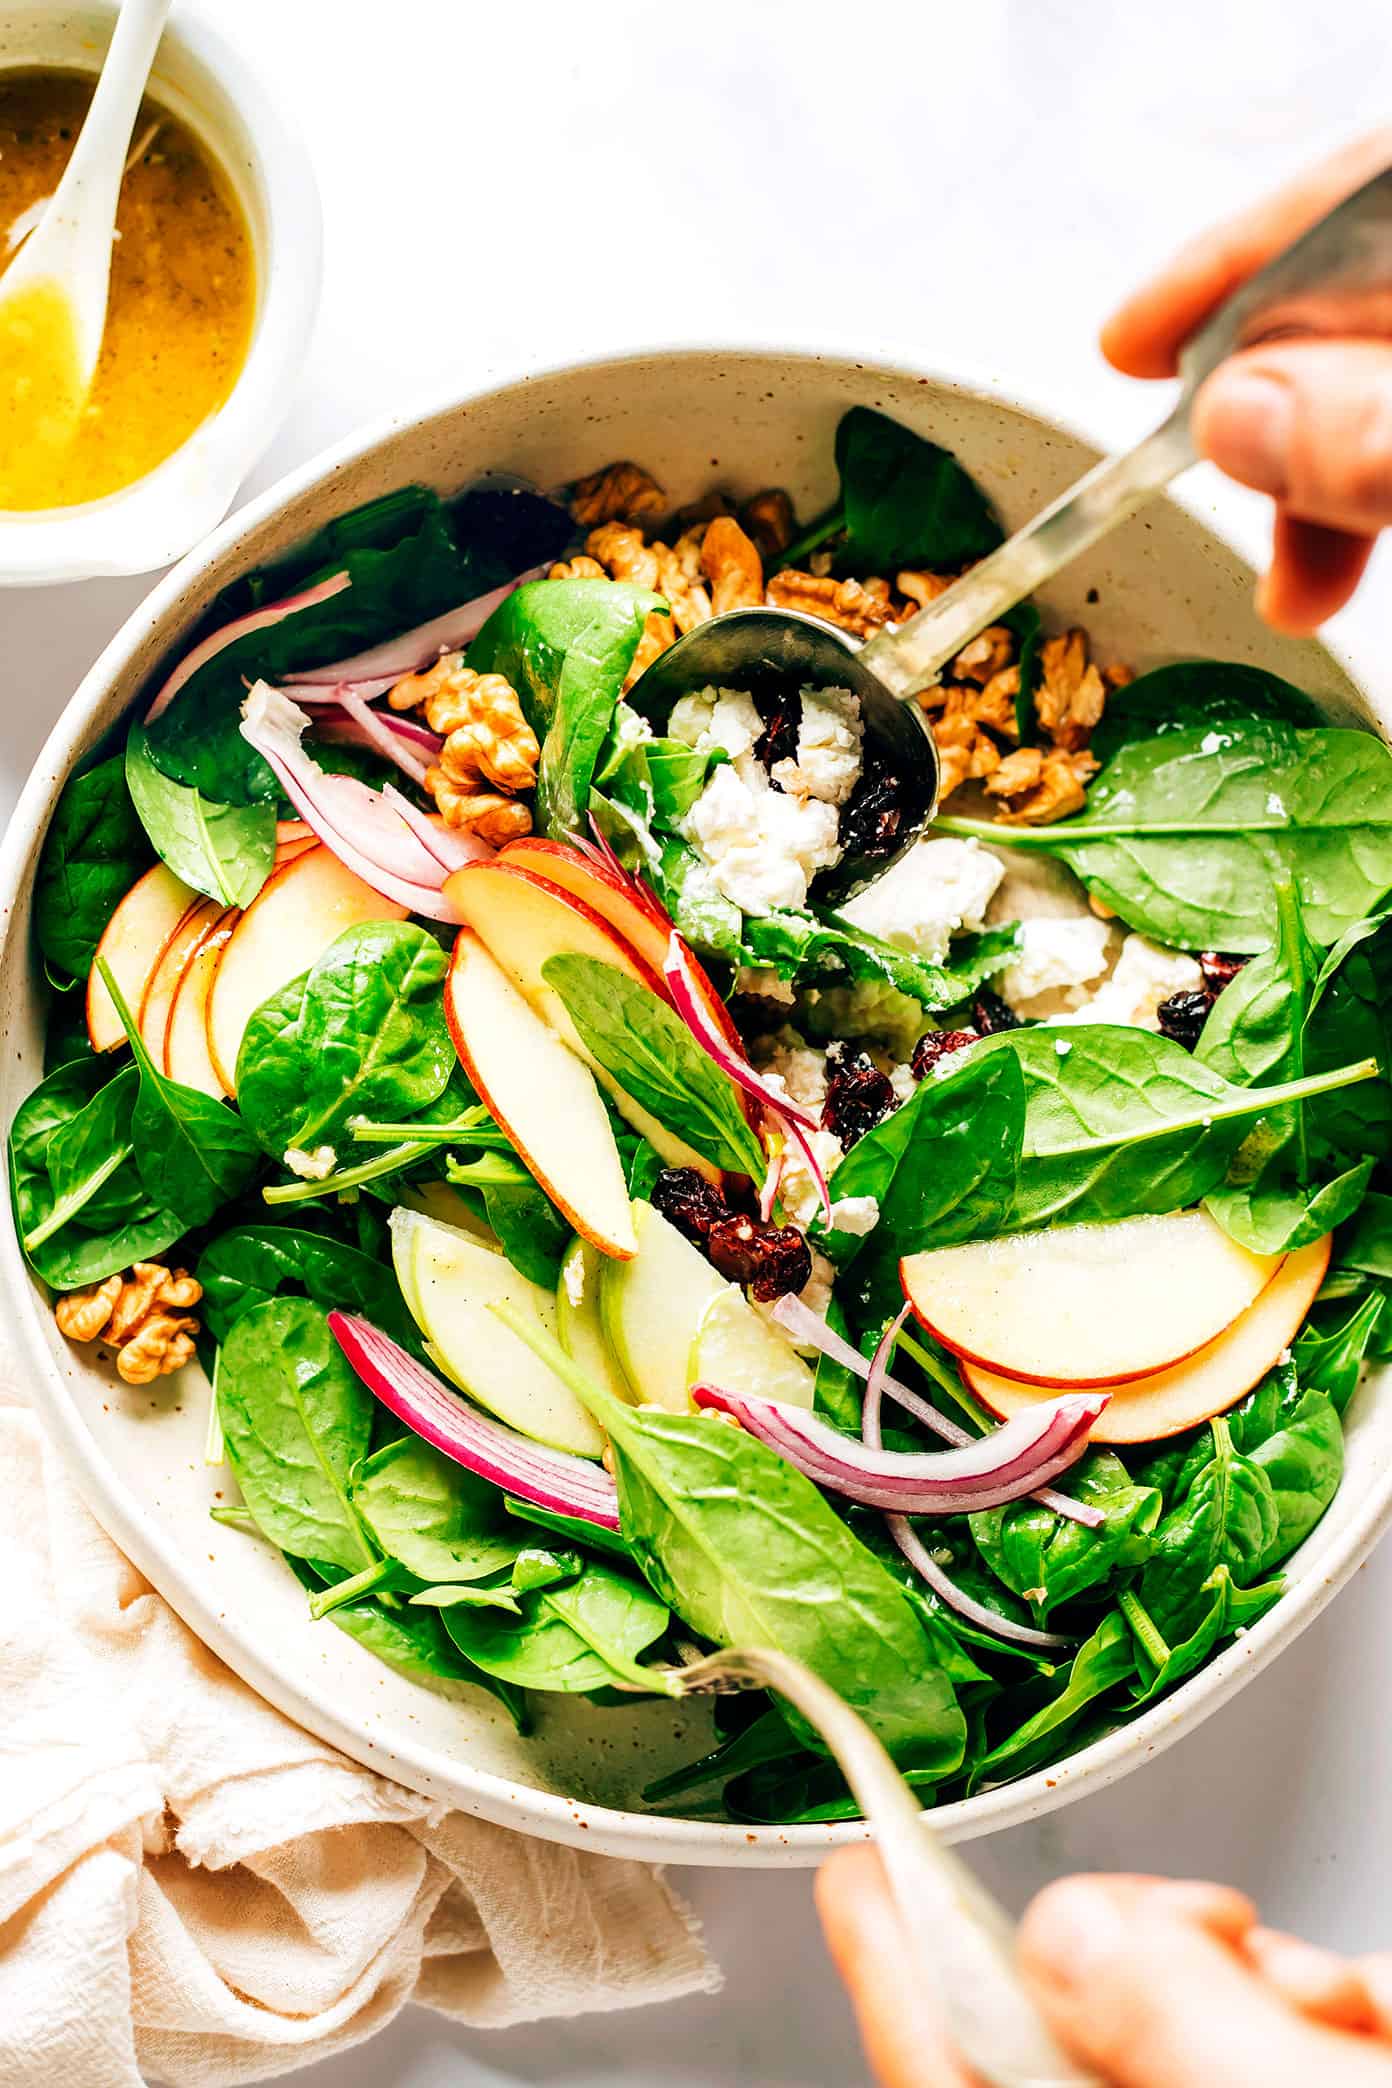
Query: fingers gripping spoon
[
  {"x": 1334, "y": 279},
  {"x": 962, "y": 1940},
  {"x": 55, "y": 288}
]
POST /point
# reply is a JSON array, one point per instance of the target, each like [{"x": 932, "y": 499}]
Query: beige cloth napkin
[{"x": 195, "y": 1890}]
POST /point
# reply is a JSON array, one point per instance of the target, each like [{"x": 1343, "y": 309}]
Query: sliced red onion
[
  {"x": 809, "y": 1328},
  {"x": 802, "y": 1140},
  {"x": 553, "y": 1479},
  {"x": 690, "y": 1003},
  {"x": 410, "y": 743},
  {"x": 241, "y": 627},
  {"x": 907, "y": 1539},
  {"x": 600, "y": 851},
  {"x": 380, "y": 733},
  {"x": 451, "y": 848},
  {"x": 985, "y": 1473},
  {"x": 376, "y": 670},
  {"x": 350, "y": 818},
  {"x": 768, "y": 1193}
]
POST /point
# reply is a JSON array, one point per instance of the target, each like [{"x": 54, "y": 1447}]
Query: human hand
[
  {"x": 1308, "y": 421},
  {"x": 1151, "y": 1983}
]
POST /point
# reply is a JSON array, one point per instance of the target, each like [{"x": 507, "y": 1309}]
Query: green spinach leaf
[
  {"x": 566, "y": 645},
  {"x": 1227, "y": 1518},
  {"x": 296, "y": 1422},
  {"x": 92, "y": 854},
  {"x": 248, "y": 1264},
  {"x": 592, "y": 1535},
  {"x": 796, "y": 942},
  {"x": 652, "y": 1055},
  {"x": 227, "y": 851},
  {"x": 1159, "y": 1665},
  {"x": 904, "y": 501},
  {"x": 574, "y": 1637},
  {"x": 1046, "y": 1558},
  {"x": 1100, "y": 1664},
  {"x": 1196, "y": 694},
  {"x": 432, "y": 1516},
  {"x": 82, "y": 1210},
  {"x": 361, "y": 1033}
]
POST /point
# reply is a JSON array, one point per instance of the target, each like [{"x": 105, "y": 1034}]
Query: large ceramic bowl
[{"x": 1168, "y": 584}]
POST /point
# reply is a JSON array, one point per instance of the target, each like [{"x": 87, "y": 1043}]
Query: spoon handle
[{"x": 915, "y": 654}]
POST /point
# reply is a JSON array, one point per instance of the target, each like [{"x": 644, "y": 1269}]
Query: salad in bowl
[{"x": 607, "y": 1230}]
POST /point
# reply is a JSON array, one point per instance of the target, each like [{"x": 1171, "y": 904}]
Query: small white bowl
[
  {"x": 224, "y": 101},
  {"x": 1172, "y": 583}
]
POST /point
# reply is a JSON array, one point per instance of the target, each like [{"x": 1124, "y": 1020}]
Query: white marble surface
[{"x": 515, "y": 186}]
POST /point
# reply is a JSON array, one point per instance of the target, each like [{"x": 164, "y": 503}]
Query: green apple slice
[
  {"x": 579, "y": 1326},
  {"x": 651, "y": 1307},
  {"x": 449, "y": 1282},
  {"x": 735, "y": 1348}
]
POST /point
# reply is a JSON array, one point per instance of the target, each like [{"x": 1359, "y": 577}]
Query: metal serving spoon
[
  {"x": 69, "y": 249},
  {"x": 963, "y": 1941},
  {"x": 1336, "y": 278}
]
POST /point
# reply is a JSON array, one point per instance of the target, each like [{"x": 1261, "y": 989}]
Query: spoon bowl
[{"x": 770, "y": 651}]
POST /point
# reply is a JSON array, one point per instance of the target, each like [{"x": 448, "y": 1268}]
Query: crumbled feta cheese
[
  {"x": 763, "y": 847},
  {"x": 630, "y": 728},
  {"x": 1146, "y": 974},
  {"x": 717, "y": 718},
  {"x": 797, "y": 1190},
  {"x": 828, "y": 748},
  {"x": 763, "y": 982},
  {"x": 1056, "y": 954},
  {"x": 901, "y": 1079},
  {"x": 855, "y": 1214},
  {"x": 311, "y": 1167},
  {"x": 935, "y": 891},
  {"x": 1214, "y": 742},
  {"x": 795, "y": 1069},
  {"x": 816, "y": 1292}
]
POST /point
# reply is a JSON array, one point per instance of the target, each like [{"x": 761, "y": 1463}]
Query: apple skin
[
  {"x": 157, "y": 1001},
  {"x": 184, "y": 1053},
  {"x": 1209, "y": 1382},
  {"x": 546, "y": 917},
  {"x": 132, "y": 944},
  {"x": 1154, "y": 1258},
  {"x": 646, "y": 929},
  {"x": 614, "y": 1236}
]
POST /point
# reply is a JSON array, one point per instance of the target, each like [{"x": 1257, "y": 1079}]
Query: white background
[{"x": 969, "y": 186}]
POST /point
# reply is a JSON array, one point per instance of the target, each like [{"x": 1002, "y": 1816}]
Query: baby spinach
[
  {"x": 1228, "y": 1518},
  {"x": 749, "y": 1553},
  {"x": 649, "y": 1051},
  {"x": 1351, "y": 1012},
  {"x": 65, "y": 1029},
  {"x": 1192, "y": 694},
  {"x": 904, "y": 502},
  {"x": 82, "y": 1209},
  {"x": 92, "y": 854},
  {"x": 1330, "y": 1358},
  {"x": 1047, "y": 1558},
  {"x": 1291, "y": 1431},
  {"x": 795, "y": 942},
  {"x": 413, "y": 1641},
  {"x": 361, "y": 1033},
  {"x": 1160, "y": 1665},
  {"x": 1179, "y": 831},
  {"x": 248, "y": 1264},
  {"x": 431, "y": 1515},
  {"x": 226, "y": 851},
  {"x": 531, "y": 1231},
  {"x": 190, "y": 1148},
  {"x": 296, "y": 1422},
  {"x": 566, "y": 645},
  {"x": 538, "y": 1567},
  {"x": 1100, "y": 1664},
  {"x": 573, "y": 1637},
  {"x": 592, "y": 1535}
]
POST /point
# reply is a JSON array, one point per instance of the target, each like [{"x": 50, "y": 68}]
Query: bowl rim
[
  {"x": 264, "y": 158},
  {"x": 606, "y": 1829}
]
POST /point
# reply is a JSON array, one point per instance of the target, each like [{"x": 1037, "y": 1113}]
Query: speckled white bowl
[{"x": 1169, "y": 584}]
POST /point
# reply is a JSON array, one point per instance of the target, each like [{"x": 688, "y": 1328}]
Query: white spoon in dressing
[{"x": 53, "y": 293}]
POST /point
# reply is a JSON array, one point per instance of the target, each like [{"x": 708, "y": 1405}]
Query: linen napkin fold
[{"x": 194, "y": 1890}]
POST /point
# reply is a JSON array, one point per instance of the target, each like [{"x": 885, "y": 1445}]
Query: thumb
[
  {"x": 1143, "y": 1981},
  {"x": 1310, "y": 423}
]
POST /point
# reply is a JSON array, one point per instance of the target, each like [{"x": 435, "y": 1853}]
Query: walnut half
[{"x": 142, "y": 1314}]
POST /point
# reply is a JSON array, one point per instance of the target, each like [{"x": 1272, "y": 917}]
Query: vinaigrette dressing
[{"x": 179, "y": 320}]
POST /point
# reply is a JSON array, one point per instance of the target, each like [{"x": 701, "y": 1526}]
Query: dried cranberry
[
  {"x": 1219, "y": 968},
  {"x": 858, "y": 1095},
  {"x": 874, "y": 815},
  {"x": 687, "y": 1200},
  {"x": 937, "y": 1044},
  {"x": 1183, "y": 1016},
  {"x": 771, "y": 1259},
  {"x": 993, "y": 1014},
  {"x": 779, "y": 738}
]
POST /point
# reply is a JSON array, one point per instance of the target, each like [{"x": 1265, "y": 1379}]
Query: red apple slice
[
  {"x": 152, "y": 1016},
  {"x": 1164, "y": 1402},
  {"x": 646, "y": 931},
  {"x": 301, "y": 908},
  {"x": 1087, "y": 1304},
  {"x": 523, "y": 920},
  {"x": 542, "y": 1095},
  {"x": 131, "y": 946},
  {"x": 186, "y": 1057}
]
